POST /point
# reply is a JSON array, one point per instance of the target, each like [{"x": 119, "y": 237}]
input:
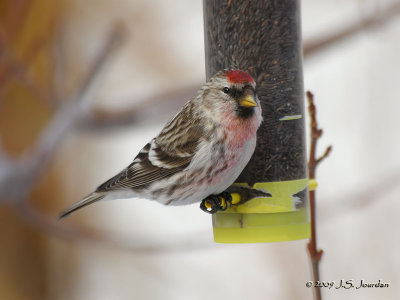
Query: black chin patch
[{"x": 244, "y": 112}]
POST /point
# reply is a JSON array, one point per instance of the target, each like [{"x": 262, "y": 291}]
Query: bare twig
[
  {"x": 12, "y": 9},
  {"x": 13, "y": 67},
  {"x": 17, "y": 177},
  {"x": 161, "y": 104},
  {"x": 375, "y": 192},
  {"x": 314, "y": 252},
  {"x": 327, "y": 40},
  {"x": 140, "y": 244},
  {"x": 101, "y": 118},
  {"x": 59, "y": 65}
]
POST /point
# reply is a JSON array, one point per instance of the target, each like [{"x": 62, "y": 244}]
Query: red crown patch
[{"x": 237, "y": 76}]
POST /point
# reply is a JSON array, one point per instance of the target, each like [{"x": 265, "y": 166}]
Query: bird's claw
[
  {"x": 228, "y": 200},
  {"x": 211, "y": 204},
  {"x": 214, "y": 203}
]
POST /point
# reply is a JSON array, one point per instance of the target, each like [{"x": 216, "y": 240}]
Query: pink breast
[{"x": 239, "y": 132}]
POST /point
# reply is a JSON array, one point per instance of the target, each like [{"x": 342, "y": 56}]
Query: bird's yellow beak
[{"x": 248, "y": 101}]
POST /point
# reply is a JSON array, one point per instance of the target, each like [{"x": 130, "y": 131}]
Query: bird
[{"x": 198, "y": 154}]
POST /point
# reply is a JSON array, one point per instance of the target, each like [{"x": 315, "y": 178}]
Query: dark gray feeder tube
[{"x": 263, "y": 37}]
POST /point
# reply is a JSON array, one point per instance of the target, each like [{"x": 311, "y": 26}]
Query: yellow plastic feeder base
[
  {"x": 263, "y": 220},
  {"x": 260, "y": 228}
]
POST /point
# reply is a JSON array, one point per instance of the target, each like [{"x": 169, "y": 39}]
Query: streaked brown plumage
[{"x": 200, "y": 152}]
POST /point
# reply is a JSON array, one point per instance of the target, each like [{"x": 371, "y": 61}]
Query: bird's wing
[{"x": 167, "y": 154}]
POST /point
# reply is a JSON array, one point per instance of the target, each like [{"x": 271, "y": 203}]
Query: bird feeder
[{"x": 263, "y": 37}]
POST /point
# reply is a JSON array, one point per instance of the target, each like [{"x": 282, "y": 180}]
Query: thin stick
[
  {"x": 166, "y": 103},
  {"x": 328, "y": 39},
  {"x": 18, "y": 176},
  {"x": 102, "y": 118},
  {"x": 314, "y": 252}
]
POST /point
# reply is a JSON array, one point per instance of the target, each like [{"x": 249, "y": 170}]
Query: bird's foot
[
  {"x": 214, "y": 203},
  {"x": 226, "y": 200}
]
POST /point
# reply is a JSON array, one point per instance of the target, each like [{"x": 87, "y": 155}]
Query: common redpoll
[{"x": 199, "y": 153}]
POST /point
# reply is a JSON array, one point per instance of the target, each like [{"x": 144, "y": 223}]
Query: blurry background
[{"x": 140, "y": 249}]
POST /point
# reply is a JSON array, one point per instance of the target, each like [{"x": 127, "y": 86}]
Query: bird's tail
[{"x": 93, "y": 197}]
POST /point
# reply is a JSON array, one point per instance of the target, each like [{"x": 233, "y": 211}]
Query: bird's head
[{"x": 231, "y": 92}]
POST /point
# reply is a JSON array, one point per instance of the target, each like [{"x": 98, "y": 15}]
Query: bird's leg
[
  {"x": 214, "y": 203},
  {"x": 223, "y": 201},
  {"x": 247, "y": 193}
]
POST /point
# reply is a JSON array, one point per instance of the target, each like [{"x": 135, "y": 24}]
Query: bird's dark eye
[{"x": 226, "y": 90}]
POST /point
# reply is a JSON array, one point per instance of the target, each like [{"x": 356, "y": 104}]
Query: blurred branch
[
  {"x": 12, "y": 9},
  {"x": 60, "y": 64},
  {"x": 328, "y": 40},
  {"x": 370, "y": 194},
  {"x": 103, "y": 118},
  {"x": 316, "y": 133},
  {"x": 17, "y": 66},
  {"x": 140, "y": 244},
  {"x": 17, "y": 177},
  {"x": 13, "y": 67},
  {"x": 161, "y": 104}
]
